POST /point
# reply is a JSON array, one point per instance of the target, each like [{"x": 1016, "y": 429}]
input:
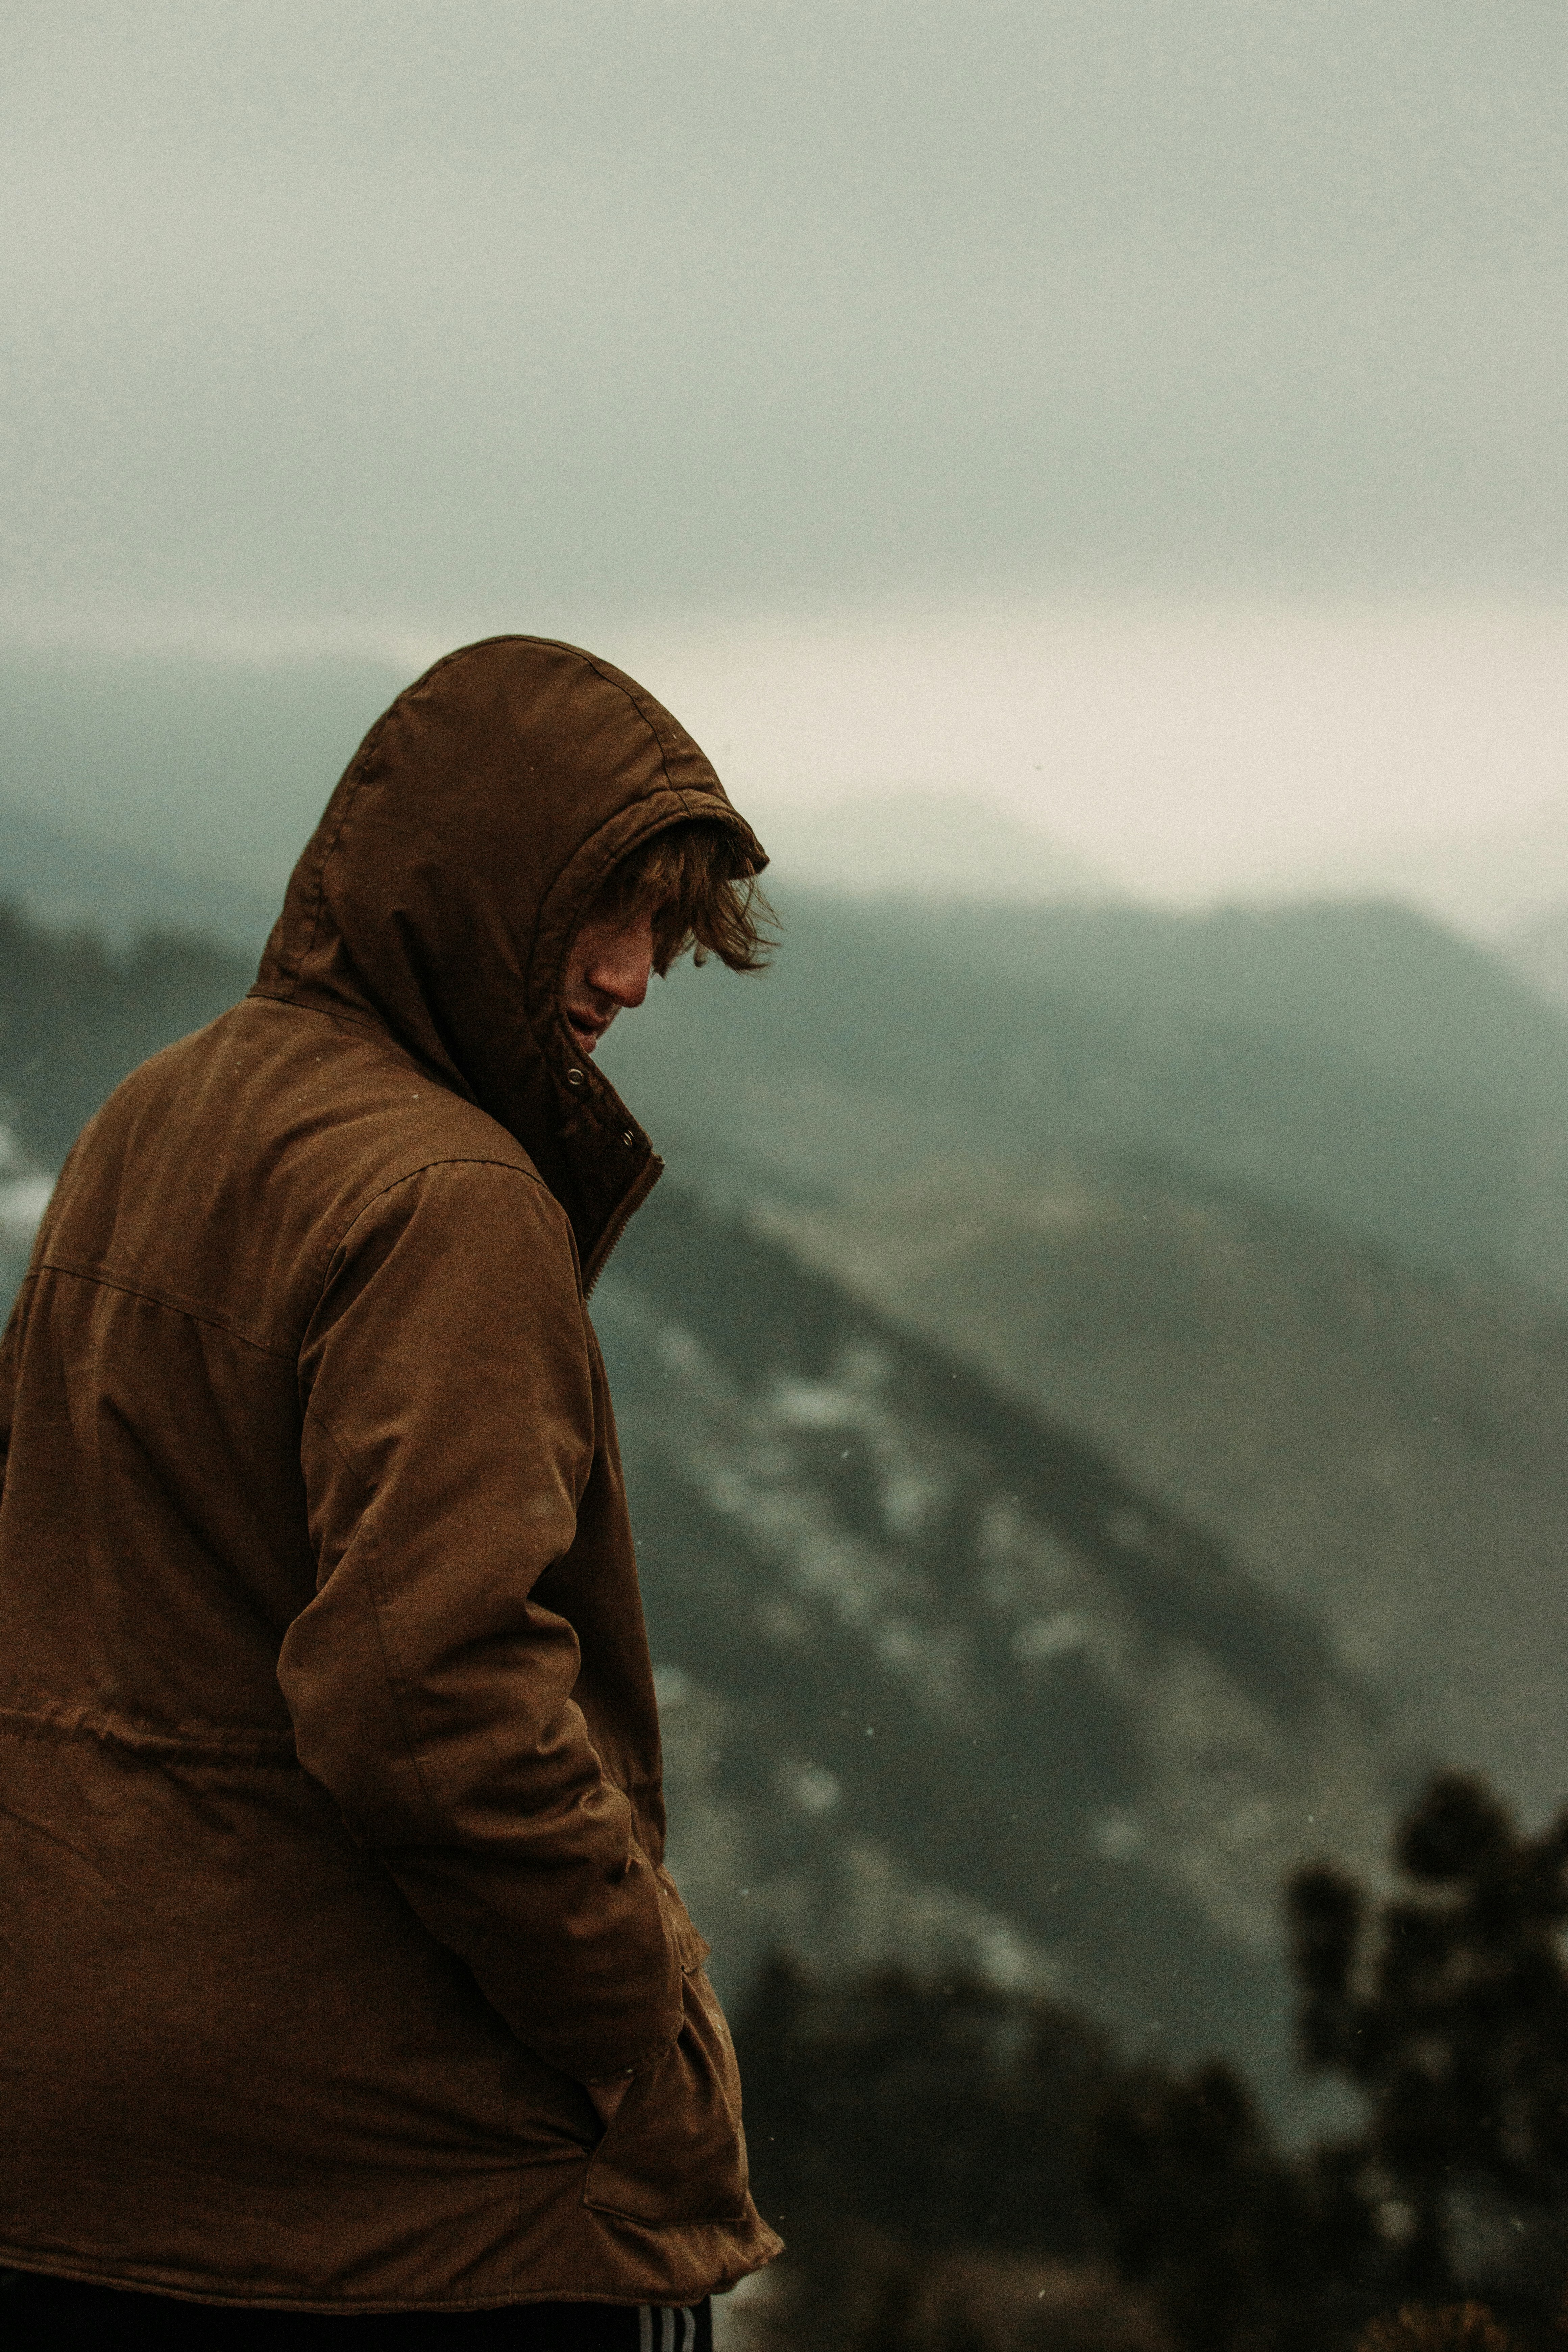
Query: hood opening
[{"x": 472, "y": 830}]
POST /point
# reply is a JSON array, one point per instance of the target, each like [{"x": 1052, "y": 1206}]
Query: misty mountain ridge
[
  {"x": 73, "y": 883},
  {"x": 230, "y": 761},
  {"x": 1491, "y": 881},
  {"x": 1537, "y": 951},
  {"x": 1384, "y": 1448},
  {"x": 940, "y": 1683},
  {"x": 1504, "y": 885},
  {"x": 76, "y": 1016},
  {"x": 1357, "y": 1063},
  {"x": 1269, "y": 1206}
]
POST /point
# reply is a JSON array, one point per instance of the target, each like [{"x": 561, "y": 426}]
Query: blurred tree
[
  {"x": 1450, "y": 2010},
  {"x": 898, "y": 2126},
  {"x": 1201, "y": 2207},
  {"x": 951, "y": 2114}
]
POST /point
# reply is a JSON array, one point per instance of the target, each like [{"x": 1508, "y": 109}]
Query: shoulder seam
[
  {"x": 172, "y": 1301},
  {"x": 176, "y": 1302},
  {"x": 446, "y": 1159}
]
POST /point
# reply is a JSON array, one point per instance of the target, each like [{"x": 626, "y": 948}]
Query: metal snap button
[{"x": 573, "y": 1077}]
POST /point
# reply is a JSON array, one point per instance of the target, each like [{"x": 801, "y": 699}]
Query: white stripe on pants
[{"x": 667, "y": 2318}]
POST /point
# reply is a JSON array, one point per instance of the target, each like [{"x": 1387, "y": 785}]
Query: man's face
[{"x": 608, "y": 965}]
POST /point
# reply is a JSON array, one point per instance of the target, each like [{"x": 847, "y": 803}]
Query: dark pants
[{"x": 55, "y": 2314}]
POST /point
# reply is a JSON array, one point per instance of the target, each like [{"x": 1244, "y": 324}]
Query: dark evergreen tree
[
  {"x": 894, "y": 2122},
  {"x": 1449, "y": 2011}
]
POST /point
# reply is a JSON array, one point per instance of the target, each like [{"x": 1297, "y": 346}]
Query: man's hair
[{"x": 703, "y": 895}]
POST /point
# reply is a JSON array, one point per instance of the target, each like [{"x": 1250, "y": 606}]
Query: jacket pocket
[
  {"x": 675, "y": 2151},
  {"x": 690, "y": 1945}
]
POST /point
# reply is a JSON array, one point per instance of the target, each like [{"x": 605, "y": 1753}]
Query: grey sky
[{"x": 342, "y": 311}]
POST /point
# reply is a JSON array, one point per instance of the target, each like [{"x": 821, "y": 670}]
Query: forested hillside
[
  {"x": 1381, "y": 1445},
  {"x": 940, "y": 1681},
  {"x": 76, "y": 1015}
]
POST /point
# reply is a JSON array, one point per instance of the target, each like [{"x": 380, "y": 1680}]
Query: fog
[
  {"x": 1177, "y": 754},
  {"x": 331, "y": 313}
]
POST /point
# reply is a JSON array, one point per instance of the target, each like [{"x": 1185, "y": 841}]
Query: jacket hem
[{"x": 26, "y": 2261}]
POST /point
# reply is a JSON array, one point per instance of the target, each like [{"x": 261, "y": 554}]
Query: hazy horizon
[
  {"x": 1144, "y": 417},
  {"x": 1181, "y": 755}
]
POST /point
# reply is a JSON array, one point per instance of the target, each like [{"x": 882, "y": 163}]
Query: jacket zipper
[{"x": 647, "y": 1177}]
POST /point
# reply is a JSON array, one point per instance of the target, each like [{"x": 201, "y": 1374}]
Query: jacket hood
[{"x": 437, "y": 896}]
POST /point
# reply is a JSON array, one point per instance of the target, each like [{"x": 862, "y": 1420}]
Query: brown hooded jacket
[{"x": 330, "y": 1815}]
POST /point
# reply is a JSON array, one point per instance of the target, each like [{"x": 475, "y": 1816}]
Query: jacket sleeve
[{"x": 448, "y": 1436}]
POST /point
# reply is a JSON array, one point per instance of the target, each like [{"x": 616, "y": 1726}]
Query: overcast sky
[{"x": 331, "y": 324}]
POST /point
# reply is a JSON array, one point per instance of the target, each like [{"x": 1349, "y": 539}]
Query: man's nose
[{"x": 623, "y": 971}]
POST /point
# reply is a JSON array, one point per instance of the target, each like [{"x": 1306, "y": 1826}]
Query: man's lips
[{"x": 587, "y": 1032}]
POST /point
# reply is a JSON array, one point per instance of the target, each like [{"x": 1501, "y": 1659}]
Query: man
[{"x": 341, "y": 1975}]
